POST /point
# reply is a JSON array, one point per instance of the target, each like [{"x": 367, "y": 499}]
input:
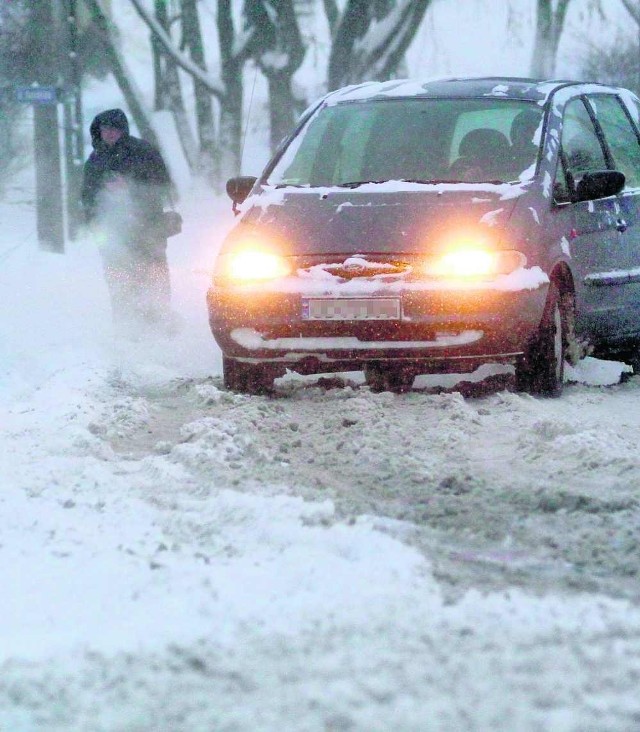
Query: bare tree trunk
[
  {"x": 371, "y": 38},
  {"x": 213, "y": 85},
  {"x": 633, "y": 8},
  {"x": 549, "y": 27},
  {"x": 194, "y": 66},
  {"x": 278, "y": 51},
  {"x": 231, "y": 102},
  {"x": 169, "y": 90},
  {"x": 192, "y": 39},
  {"x": 123, "y": 76},
  {"x": 333, "y": 15},
  {"x": 183, "y": 125},
  {"x": 160, "y": 86},
  {"x": 282, "y": 106}
]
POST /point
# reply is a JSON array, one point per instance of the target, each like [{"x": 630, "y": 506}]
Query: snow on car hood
[{"x": 403, "y": 218}]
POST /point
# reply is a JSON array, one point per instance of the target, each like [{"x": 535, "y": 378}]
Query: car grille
[{"x": 366, "y": 267}]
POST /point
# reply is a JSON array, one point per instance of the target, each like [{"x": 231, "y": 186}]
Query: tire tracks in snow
[{"x": 496, "y": 490}]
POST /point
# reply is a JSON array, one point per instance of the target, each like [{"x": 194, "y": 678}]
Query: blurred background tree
[
  {"x": 207, "y": 56},
  {"x": 16, "y": 33},
  {"x": 617, "y": 62}
]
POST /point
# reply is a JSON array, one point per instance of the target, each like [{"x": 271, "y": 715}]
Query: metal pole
[
  {"x": 46, "y": 137},
  {"x": 74, "y": 144}
]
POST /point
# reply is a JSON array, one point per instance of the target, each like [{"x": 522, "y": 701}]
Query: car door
[
  {"x": 623, "y": 146},
  {"x": 595, "y": 244}
]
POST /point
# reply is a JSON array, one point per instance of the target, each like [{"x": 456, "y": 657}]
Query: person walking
[{"x": 125, "y": 186}]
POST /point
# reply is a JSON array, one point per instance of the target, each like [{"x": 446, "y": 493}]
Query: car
[{"x": 410, "y": 227}]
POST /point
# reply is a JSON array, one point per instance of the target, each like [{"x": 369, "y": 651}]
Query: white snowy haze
[{"x": 178, "y": 558}]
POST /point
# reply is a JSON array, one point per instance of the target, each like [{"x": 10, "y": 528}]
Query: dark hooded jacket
[{"x": 135, "y": 161}]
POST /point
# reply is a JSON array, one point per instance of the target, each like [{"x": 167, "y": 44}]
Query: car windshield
[{"x": 422, "y": 140}]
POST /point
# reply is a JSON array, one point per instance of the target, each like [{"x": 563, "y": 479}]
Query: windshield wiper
[
  {"x": 356, "y": 183},
  {"x": 290, "y": 185},
  {"x": 430, "y": 181},
  {"x": 495, "y": 182},
  {"x": 424, "y": 181}
]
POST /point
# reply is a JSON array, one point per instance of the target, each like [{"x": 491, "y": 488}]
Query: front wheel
[
  {"x": 381, "y": 377},
  {"x": 541, "y": 370},
  {"x": 247, "y": 378}
]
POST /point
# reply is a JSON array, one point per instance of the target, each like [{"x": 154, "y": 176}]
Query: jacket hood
[{"x": 110, "y": 118}]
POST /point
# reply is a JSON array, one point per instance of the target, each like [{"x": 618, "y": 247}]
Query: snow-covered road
[{"x": 175, "y": 557}]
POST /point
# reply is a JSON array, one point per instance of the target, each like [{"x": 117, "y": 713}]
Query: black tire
[
  {"x": 388, "y": 378},
  {"x": 247, "y": 378},
  {"x": 633, "y": 359},
  {"x": 541, "y": 370},
  {"x": 629, "y": 355}
]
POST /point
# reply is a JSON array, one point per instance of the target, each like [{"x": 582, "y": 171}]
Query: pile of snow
[{"x": 141, "y": 592}]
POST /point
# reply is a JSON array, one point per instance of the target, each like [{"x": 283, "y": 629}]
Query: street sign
[{"x": 37, "y": 94}]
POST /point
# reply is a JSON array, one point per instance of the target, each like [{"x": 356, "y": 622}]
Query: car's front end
[
  {"x": 387, "y": 297},
  {"x": 357, "y": 260}
]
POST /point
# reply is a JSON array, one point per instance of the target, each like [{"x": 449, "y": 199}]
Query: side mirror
[
  {"x": 238, "y": 188},
  {"x": 600, "y": 184}
]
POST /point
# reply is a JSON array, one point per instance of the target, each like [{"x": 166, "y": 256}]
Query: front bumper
[{"x": 439, "y": 329}]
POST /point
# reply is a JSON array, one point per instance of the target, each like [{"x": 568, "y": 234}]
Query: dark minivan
[{"x": 407, "y": 228}]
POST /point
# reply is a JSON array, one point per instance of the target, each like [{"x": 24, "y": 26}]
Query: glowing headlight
[
  {"x": 473, "y": 263},
  {"x": 249, "y": 265}
]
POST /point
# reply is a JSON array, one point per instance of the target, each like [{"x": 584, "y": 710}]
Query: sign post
[
  {"x": 46, "y": 143},
  {"x": 72, "y": 115},
  {"x": 43, "y": 97},
  {"x": 36, "y": 94}
]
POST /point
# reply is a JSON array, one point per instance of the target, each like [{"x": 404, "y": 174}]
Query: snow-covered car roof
[{"x": 534, "y": 90}]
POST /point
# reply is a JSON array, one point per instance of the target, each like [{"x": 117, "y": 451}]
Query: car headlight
[
  {"x": 471, "y": 263},
  {"x": 251, "y": 264}
]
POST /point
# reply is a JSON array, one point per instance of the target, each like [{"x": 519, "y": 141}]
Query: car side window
[
  {"x": 580, "y": 144},
  {"x": 561, "y": 188},
  {"x": 620, "y": 136},
  {"x": 581, "y": 150}
]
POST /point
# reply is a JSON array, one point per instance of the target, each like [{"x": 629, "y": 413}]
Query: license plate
[{"x": 351, "y": 308}]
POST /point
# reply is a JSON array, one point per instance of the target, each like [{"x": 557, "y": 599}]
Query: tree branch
[
  {"x": 386, "y": 40},
  {"x": 123, "y": 77},
  {"x": 633, "y": 9},
  {"x": 367, "y": 45},
  {"x": 333, "y": 15},
  {"x": 214, "y": 86},
  {"x": 558, "y": 21}
]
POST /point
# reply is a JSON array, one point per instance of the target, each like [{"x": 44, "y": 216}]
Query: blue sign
[{"x": 37, "y": 94}]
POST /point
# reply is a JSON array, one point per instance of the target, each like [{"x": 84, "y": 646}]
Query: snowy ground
[{"x": 176, "y": 558}]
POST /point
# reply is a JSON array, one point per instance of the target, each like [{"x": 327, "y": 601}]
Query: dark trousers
[{"x": 137, "y": 276}]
